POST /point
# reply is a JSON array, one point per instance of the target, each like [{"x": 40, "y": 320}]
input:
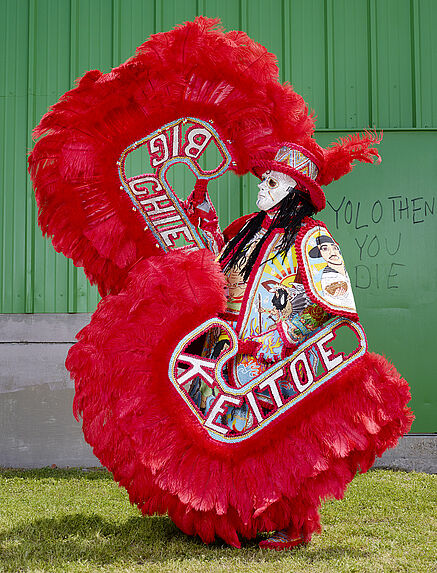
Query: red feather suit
[{"x": 163, "y": 292}]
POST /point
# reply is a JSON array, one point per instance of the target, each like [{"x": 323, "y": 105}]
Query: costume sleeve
[
  {"x": 301, "y": 326},
  {"x": 288, "y": 334},
  {"x": 291, "y": 329},
  {"x": 323, "y": 271},
  {"x": 203, "y": 215}
]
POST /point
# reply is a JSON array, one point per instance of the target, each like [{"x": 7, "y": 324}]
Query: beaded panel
[
  {"x": 298, "y": 160},
  {"x": 236, "y": 410},
  {"x": 186, "y": 141}
]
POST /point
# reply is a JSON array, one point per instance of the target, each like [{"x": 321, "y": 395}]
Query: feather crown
[{"x": 313, "y": 166}]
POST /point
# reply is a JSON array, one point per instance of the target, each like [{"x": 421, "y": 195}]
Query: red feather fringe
[
  {"x": 143, "y": 432},
  {"x": 339, "y": 157},
  {"x": 194, "y": 70}
]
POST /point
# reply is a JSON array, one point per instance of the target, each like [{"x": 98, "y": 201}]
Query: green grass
[{"x": 71, "y": 520}]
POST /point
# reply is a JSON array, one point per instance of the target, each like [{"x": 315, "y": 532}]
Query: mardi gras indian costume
[{"x": 208, "y": 380}]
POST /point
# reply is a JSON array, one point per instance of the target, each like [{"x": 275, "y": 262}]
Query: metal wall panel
[
  {"x": 13, "y": 129},
  {"x": 48, "y": 77},
  {"x": 305, "y": 55},
  {"x": 385, "y": 219},
  {"x": 53, "y": 283},
  {"x": 425, "y": 62},
  {"x": 393, "y": 46},
  {"x": 358, "y": 63},
  {"x": 347, "y": 64},
  {"x": 91, "y": 47},
  {"x": 134, "y": 22}
]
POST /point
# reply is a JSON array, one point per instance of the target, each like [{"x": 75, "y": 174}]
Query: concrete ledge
[
  {"x": 415, "y": 452},
  {"x": 41, "y": 327},
  {"x": 37, "y": 427}
]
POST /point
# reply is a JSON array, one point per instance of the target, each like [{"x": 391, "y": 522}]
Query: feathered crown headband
[{"x": 313, "y": 166}]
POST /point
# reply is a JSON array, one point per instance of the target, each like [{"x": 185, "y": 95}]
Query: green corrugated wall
[{"x": 358, "y": 63}]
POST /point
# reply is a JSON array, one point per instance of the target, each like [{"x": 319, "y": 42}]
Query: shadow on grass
[
  {"x": 56, "y": 473},
  {"x": 92, "y": 539},
  {"x": 97, "y": 541}
]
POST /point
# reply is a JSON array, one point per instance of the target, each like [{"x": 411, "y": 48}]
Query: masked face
[{"x": 273, "y": 188}]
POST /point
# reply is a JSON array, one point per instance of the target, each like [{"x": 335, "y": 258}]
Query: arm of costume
[
  {"x": 288, "y": 334},
  {"x": 301, "y": 326},
  {"x": 322, "y": 270},
  {"x": 327, "y": 288},
  {"x": 203, "y": 215}
]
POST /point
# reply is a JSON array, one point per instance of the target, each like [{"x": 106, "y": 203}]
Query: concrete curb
[{"x": 415, "y": 452}]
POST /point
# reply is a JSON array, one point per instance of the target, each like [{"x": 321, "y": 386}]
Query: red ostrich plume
[
  {"x": 339, "y": 157},
  {"x": 194, "y": 70}
]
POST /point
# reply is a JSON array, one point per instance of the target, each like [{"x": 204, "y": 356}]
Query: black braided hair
[{"x": 293, "y": 209}]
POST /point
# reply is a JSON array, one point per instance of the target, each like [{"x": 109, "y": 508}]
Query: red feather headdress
[
  {"x": 339, "y": 157},
  {"x": 194, "y": 70}
]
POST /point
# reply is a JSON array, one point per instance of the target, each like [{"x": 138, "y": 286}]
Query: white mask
[{"x": 273, "y": 188}]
